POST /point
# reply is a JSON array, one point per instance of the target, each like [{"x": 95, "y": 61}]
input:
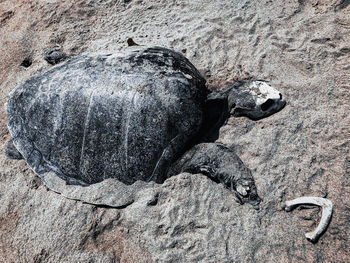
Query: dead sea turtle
[{"x": 132, "y": 117}]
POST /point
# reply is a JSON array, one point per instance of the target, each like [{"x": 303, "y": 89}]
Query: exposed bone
[
  {"x": 327, "y": 209},
  {"x": 263, "y": 91}
]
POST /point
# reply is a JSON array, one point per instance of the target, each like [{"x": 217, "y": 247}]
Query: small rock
[
  {"x": 131, "y": 42},
  {"x": 54, "y": 56},
  {"x": 27, "y": 62}
]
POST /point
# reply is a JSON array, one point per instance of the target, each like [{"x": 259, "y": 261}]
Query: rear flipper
[
  {"x": 222, "y": 166},
  {"x": 12, "y": 152}
]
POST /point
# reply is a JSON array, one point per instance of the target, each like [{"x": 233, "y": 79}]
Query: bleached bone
[{"x": 327, "y": 209}]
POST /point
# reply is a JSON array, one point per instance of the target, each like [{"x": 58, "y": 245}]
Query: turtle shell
[{"x": 124, "y": 116}]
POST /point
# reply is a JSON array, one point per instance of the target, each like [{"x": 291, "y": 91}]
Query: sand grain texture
[{"x": 301, "y": 47}]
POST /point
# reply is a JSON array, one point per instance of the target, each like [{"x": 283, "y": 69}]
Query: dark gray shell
[{"x": 108, "y": 116}]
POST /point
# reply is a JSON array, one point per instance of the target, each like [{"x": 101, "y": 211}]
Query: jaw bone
[{"x": 327, "y": 209}]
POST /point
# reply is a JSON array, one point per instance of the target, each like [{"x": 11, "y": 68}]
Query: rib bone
[{"x": 327, "y": 208}]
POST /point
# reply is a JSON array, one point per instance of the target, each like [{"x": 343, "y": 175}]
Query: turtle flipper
[
  {"x": 12, "y": 152},
  {"x": 167, "y": 157},
  {"x": 221, "y": 165}
]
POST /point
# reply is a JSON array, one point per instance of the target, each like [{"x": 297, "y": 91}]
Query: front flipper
[
  {"x": 12, "y": 152},
  {"x": 167, "y": 157},
  {"x": 222, "y": 166}
]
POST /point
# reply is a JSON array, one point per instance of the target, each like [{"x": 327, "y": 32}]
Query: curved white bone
[{"x": 327, "y": 209}]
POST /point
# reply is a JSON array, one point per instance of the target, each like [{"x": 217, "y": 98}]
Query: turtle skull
[{"x": 256, "y": 100}]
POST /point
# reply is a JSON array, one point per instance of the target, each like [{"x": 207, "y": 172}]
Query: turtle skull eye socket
[{"x": 267, "y": 104}]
